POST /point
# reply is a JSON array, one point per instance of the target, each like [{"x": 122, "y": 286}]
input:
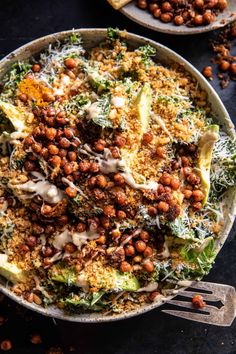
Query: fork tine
[
  {"x": 209, "y": 286},
  {"x": 189, "y": 305},
  {"x": 206, "y": 297},
  {"x": 198, "y": 317}
]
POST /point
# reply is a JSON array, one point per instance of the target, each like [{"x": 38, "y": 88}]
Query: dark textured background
[{"x": 20, "y": 22}]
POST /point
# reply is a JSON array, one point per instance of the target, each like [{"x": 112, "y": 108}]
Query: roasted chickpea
[
  {"x": 100, "y": 145},
  {"x": 144, "y": 235},
  {"x": 121, "y": 214},
  {"x": 207, "y": 71},
  {"x": 125, "y": 267},
  {"x": 187, "y": 193},
  {"x": 148, "y": 266},
  {"x": 148, "y": 252},
  {"x": 94, "y": 167},
  {"x": 193, "y": 179},
  {"x": 163, "y": 207},
  {"x": 178, "y": 20},
  {"x": 147, "y": 137},
  {"x": 161, "y": 151},
  {"x": 109, "y": 210},
  {"x": 208, "y": 17},
  {"x": 224, "y": 65},
  {"x": 160, "y": 188},
  {"x": 31, "y": 241},
  {"x": 70, "y": 248},
  {"x": 62, "y": 220},
  {"x": 71, "y": 192},
  {"x": 121, "y": 198},
  {"x": 152, "y": 211},
  {"x": 64, "y": 143},
  {"x": 165, "y": 179},
  {"x": 233, "y": 68},
  {"x": 36, "y": 68},
  {"x": 23, "y": 97},
  {"x": 175, "y": 183},
  {"x": 48, "y": 252},
  {"x": 69, "y": 134},
  {"x": 198, "y": 302},
  {"x": 49, "y": 229},
  {"x": 101, "y": 181},
  {"x": 51, "y": 112},
  {"x": 115, "y": 152},
  {"x": 119, "y": 141},
  {"x": 6, "y": 345},
  {"x": 197, "y": 205},
  {"x": 157, "y": 13},
  {"x": 166, "y": 6},
  {"x": 187, "y": 171},
  {"x": 72, "y": 155},
  {"x": 119, "y": 179},
  {"x": 129, "y": 250},
  {"x": 198, "y": 20},
  {"x": 48, "y": 97},
  {"x": 197, "y": 195},
  {"x": 53, "y": 149},
  {"x": 55, "y": 160},
  {"x": 166, "y": 17},
  {"x": 152, "y": 296},
  {"x": 115, "y": 233},
  {"x": 105, "y": 222},
  {"x": 140, "y": 246},
  {"x": 101, "y": 240},
  {"x": 70, "y": 63},
  {"x": 68, "y": 168},
  {"x": 152, "y": 7},
  {"x": 50, "y": 133},
  {"x": 185, "y": 161},
  {"x": 36, "y": 147},
  {"x": 199, "y": 4},
  {"x": 84, "y": 166}
]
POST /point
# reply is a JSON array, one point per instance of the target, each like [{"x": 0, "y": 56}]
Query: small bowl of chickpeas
[{"x": 181, "y": 16}]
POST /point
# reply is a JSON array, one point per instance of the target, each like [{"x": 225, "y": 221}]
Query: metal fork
[{"x": 210, "y": 314}]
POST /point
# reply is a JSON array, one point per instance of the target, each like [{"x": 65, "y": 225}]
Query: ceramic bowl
[
  {"x": 91, "y": 37},
  {"x": 146, "y": 19}
]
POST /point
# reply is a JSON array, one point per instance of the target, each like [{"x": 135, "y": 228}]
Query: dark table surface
[{"x": 154, "y": 332}]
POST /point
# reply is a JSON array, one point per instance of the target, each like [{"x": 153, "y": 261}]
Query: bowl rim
[{"x": 12, "y": 57}]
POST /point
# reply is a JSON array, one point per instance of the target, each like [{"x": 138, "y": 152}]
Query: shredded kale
[
  {"x": 147, "y": 51},
  {"x": 113, "y": 34},
  {"x": 76, "y": 103},
  {"x": 89, "y": 302}
]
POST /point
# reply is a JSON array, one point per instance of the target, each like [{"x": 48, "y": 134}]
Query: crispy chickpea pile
[
  {"x": 224, "y": 60},
  {"x": 182, "y": 12}
]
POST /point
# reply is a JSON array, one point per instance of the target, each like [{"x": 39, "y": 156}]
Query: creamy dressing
[
  {"x": 165, "y": 253},
  {"x": 82, "y": 238},
  {"x": 46, "y": 190},
  {"x": 62, "y": 239},
  {"x": 3, "y": 259},
  {"x": 82, "y": 282},
  {"x": 72, "y": 185},
  {"x": 149, "y": 288},
  {"x": 118, "y": 102},
  {"x": 64, "y": 83},
  {"x": 108, "y": 164},
  {"x": 93, "y": 110}
]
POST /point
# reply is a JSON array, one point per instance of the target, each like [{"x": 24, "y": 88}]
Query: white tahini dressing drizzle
[
  {"x": 72, "y": 185},
  {"x": 165, "y": 253},
  {"x": 149, "y": 288},
  {"x": 108, "y": 164},
  {"x": 93, "y": 110},
  {"x": 78, "y": 238},
  {"x": 46, "y": 190}
]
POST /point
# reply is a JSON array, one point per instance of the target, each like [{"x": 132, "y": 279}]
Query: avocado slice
[
  {"x": 143, "y": 102},
  {"x": 143, "y": 105},
  {"x": 126, "y": 281},
  {"x": 205, "y": 148},
  {"x": 16, "y": 117},
  {"x": 121, "y": 281},
  {"x": 10, "y": 271}
]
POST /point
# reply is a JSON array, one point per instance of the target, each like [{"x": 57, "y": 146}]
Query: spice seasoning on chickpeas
[
  {"x": 188, "y": 12},
  {"x": 224, "y": 61},
  {"x": 107, "y": 177}
]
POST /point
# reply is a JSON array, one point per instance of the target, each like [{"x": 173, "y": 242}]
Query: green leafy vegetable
[
  {"x": 201, "y": 257},
  {"x": 113, "y": 34},
  {"x": 99, "y": 112},
  {"x": 90, "y": 302},
  {"x": 147, "y": 51}
]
